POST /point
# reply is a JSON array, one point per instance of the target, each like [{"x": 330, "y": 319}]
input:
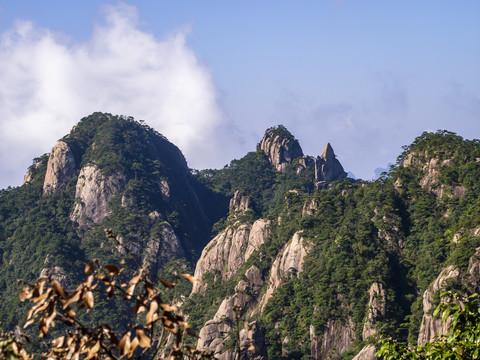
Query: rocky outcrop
[
  {"x": 60, "y": 168},
  {"x": 474, "y": 272},
  {"x": 32, "y": 170},
  {"x": 431, "y": 327},
  {"x": 310, "y": 208},
  {"x": 280, "y": 147},
  {"x": 289, "y": 262},
  {"x": 215, "y": 333},
  {"x": 93, "y": 194},
  {"x": 229, "y": 250},
  {"x": 367, "y": 353},
  {"x": 57, "y": 273},
  {"x": 327, "y": 167},
  {"x": 162, "y": 247},
  {"x": 239, "y": 203},
  {"x": 431, "y": 167},
  {"x": 376, "y": 310},
  {"x": 337, "y": 337}
]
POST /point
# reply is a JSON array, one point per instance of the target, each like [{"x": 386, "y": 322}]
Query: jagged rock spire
[{"x": 327, "y": 167}]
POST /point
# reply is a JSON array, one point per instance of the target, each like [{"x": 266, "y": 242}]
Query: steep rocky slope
[
  {"x": 338, "y": 265},
  {"x": 305, "y": 263},
  {"x": 108, "y": 172}
]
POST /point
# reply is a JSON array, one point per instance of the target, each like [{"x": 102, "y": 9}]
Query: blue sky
[{"x": 366, "y": 76}]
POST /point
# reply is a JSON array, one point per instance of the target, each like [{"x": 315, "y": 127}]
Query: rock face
[
  {"x": 431, "y": 327},
  {"x": 288, "y": 262},
  {"x": 93, "y": 194},
  {"x": 231, "y": 248},
  {"x": 337, "y": 338},
  {"x": 431, "y": 167},
  {"x": 215, "y": 332},
  {"x": 367, "y": 353},
  {"x": 280, "y": 147},
  {"x": 31, "y": 172},
  {"x": 162, "y": 248},
  {"x": 376, "y": 310},
  {"x": 327, "y": 167},
  {"x": 60, "y": 168}
]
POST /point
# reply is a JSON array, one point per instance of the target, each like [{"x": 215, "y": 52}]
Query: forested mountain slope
[
  {"x": 330, "y": 267},
  {"x": 109, "y": 172},
  {"x": 314, "y": 264}
]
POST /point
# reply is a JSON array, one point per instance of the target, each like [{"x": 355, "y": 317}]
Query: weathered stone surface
[
  {"x": 310, "y": 208},
  {"x": 230, "y": 249},
  {"x": 327, "y": 167},
  {"x": 31, "y": 171},
  {"x": 367, "y": 353},
  {"x": 337, "y": 338},
  {"x": 253, "y": 280},
  {"x": 239, "y": 203},
  {"x": 281, "y": 151},
  {"x": 431, "y": 327},
  {"x": 214, "y": 333},
  {"x": 474, "y": 271},
  {"x": 160, "y": 249},
  {"x": 56, "y": 273},
  {"x": 288, "y": 262},
  {"x": 93, "y": 194},
  {"x": 376, "y": 310},
  {"x": 431, "y": 167},
  {"x": 60, "y": 168}
]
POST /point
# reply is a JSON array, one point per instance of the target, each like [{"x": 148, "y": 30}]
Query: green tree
[{"x": 461, "y": 342}]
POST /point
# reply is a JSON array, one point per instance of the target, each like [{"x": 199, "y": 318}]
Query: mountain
[
  {"x": 320, "y": 274},
  {"x": 311, "y": 263},
  {"x": 108, "y": 172}
]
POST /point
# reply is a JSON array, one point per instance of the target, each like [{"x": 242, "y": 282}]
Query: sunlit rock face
[
  {"x": 327, "y": 166},
  {"x": 280, "y": 148},
  {"x": 60, "y": 168},
  {"x": 93, "y": 194}
]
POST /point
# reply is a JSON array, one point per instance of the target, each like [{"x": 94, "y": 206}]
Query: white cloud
[{"x": 48, "y": 83}]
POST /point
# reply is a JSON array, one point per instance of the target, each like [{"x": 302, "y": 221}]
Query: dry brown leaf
[
  {"x": 93, "y": 351},
  {"x": 192, "y": 279},
  {"x": 167, "y": 283},
  {"x": 75, "y": 297},
  {"x": 58, "y": 342},
  {"x": 58, "y": 289},
  {"x": 124, "y": 345},
  {"x": 88, "y": 268},
  {"x": 133, "y": 346},
  {"x": 113, "y": 270},
  {"x": 143, "y": 339},
  {"x": 152, "y": 314},
  {"x": 26, "y": 294},
  {"x": 168, "y": 307},
  {"x": 89, "y": 299}
]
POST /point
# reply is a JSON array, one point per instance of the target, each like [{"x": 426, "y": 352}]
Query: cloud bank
[{"x": 48, "y": 83}]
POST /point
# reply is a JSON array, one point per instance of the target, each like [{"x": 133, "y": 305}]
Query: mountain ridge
[{"x": 315, "y": 261}]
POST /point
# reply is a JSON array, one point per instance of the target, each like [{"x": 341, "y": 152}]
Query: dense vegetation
[
  {"x": 392, "y": 231},
  {"x": 36, "y": 231},
  {"x": 398, "y": 231}
]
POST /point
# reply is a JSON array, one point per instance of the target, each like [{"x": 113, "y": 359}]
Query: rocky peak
[
  {"x": 280, "y": 146},
  {"x": 327, "y": 166},
  {"x": 60, "y": 168}
]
